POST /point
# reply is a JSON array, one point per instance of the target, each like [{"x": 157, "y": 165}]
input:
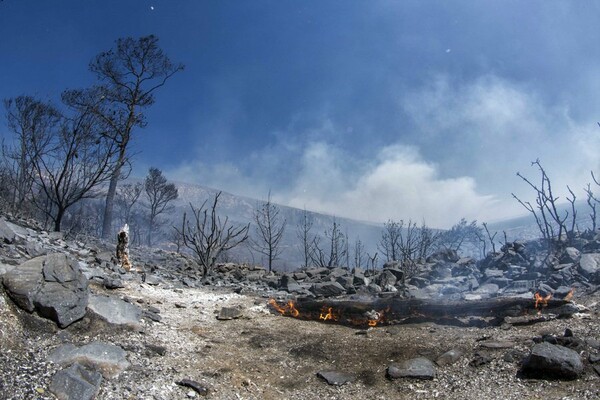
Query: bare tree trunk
[{"x": 110, "y": 196}]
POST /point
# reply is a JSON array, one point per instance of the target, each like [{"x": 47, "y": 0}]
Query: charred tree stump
[
  {"x": 123, "y": 248},
  {"x": 391, "y": 311}
]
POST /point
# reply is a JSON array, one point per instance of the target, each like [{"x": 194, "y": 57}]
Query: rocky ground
[{"x": 185, "y": 345}]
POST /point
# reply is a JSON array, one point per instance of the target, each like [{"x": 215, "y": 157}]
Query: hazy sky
[{"x": 363, "y": 109}]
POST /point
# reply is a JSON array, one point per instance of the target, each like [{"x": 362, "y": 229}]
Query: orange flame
[
  {"x": 541, "y": 301},
  {"x": 569, "y": 295},
  {"x": 289, "y": 309},
  {"x": 329, "y": 315}
]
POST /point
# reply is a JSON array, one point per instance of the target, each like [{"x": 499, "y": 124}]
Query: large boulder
[
  {"x": 108, "y": 359},
  {"x": 115, "y": 311},
  {"x": 589, "y": 266},
  {"x": 552, "y": 361},
  {"x": 327, "y": 289},
  {"x": 51, "y": 285},
  {"x": 76, "y": 382}
]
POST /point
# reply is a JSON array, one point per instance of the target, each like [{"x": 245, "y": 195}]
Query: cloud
[
  {"x": 456, "y": 157},
  {"x": 398, "y": 184}
]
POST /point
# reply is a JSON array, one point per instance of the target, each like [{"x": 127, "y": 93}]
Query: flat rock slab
[
  {"x": 107, "y": 358},
  {"x": 416, "y": 368},
  {"x": 496, "y": 344},
  {"x": 336, "y": 378},
  {"x": 52, "y": 285},
  {"x": 7, "y": 234},
  {"x": 449, "y": 357},
  {"x": 195, "y": 386},
  {"x": 228, "y": 313},
  {"x": 76, "y": 383},
  {"x": 552, "y": 361},
  {"x": 115, "y": 311}
]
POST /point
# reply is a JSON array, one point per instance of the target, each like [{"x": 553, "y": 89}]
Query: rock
[
  {"x": 480, "y": 359},
  {"x": 417, "y": 368},
  {"x": 107, "y": 358},
  {"x": 52, "y": 285},
  {"x": 195, "y": 386},
  {"x": 552, "y": 361},
  {"x": 386, "y": 278},
  {"x": 449, "y": 357},
  {"x": 7, "y": 234},
  {"x": 76, "y": 383},
  {"x": 571, "y": 255},
  {"x": 327, "y": 289},
  {"x": 488, "y": 290},
  {"x": 335, "y": 378},
  {"x": 497, "y": 344},
  {"x": 589, "y": 266},
  {"x": 113, "y": 283},
  {"x": 115, "y": 311},
  {"x": 289, "y": 284},
  {"x": 229, "y": 313},
  {"x": 154, "y": 348},
  {"x": 5, "y": 268}
]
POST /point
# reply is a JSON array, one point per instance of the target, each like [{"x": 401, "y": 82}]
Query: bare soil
[{"x": 263, "y": 355}]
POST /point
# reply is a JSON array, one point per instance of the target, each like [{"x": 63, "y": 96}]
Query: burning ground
[{"x": 229, "y": 343}]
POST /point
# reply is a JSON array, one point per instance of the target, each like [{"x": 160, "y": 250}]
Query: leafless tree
[
  {"x": 460, "y": 234},
  {"x": 359, "y": 254},
  {"x": 69, "y": 163},
  {"x": 30, "y": 120},
  {"x": 127, "y": 196},
  {"x": 389, "y": 245},
  {"x": 335, "y": 240},
  {"x": 159, "y": 196},
  {"x": 547, "y": 217},
  {"x": 592, "y": 202},
  {"x": 129, "y": 75},
  {"x": 306, "y": 238},
  {"x": 490, "y": 237},
  {"x": 208, "y": 235},
  {"x": 269, "y": 230}
]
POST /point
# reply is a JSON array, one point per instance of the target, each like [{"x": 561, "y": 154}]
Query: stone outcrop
[{"x": 51, "y": 285}]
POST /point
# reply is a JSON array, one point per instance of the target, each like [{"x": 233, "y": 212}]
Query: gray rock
[
  {"x": 113, "y": 283},
  {"x": 327, "y": 289},
  {"x": 589, "y": 265},
  {"x": 289, "y": 284},
  {"x": 449, "y": 357},
  {"x": 4, "y": 268},
  {"x": 228, "y": 313},
  {"x": 386, "y": 278},
  {"x": 417, "y": 368},
  {"x": 52, "y": 285},
  {"x": 552, "y": 361},
  {"x": 488, "y": 289},
  {"x": 195, "y": 386},
  {"x": 571, "y": 255},
  {"x": 335, "y": 378},
  {"x": 109, "y": 359},
  {"x": 76, "y": 383},
  {"x": 115, "y": 311},
  {"x": 7, "y": 234}
]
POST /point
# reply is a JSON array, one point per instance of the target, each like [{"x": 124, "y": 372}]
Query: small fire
[
  {"x": 569, "y": 295},
  {"x": 541, "y": 301},
  {"x": 375, "y": 317},
  {"x": 289, "y": 309},
  {"x": 328, "y": 314}
]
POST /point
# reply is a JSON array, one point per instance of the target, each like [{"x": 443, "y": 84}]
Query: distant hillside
[{"x": 240, "y": 210}]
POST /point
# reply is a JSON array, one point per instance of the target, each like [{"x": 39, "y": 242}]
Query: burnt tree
[
  {"x": 207, "y": 236},
  {"x": 129, "y": 76},
  {"x": 269, "y": 231}
]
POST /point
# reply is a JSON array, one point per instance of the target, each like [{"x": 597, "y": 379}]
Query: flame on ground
[
  {"x": 328, "y": 314},
  {"x": 289, "y": 309},
  {"x": 541, "y": 301},
  {"x": 569, "y": 295}
]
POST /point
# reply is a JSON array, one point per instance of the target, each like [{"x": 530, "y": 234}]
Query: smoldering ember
[{"x": 521, "y": 323}]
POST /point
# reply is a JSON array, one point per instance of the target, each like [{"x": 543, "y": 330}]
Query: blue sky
[{"x": 363, "y": 109}]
